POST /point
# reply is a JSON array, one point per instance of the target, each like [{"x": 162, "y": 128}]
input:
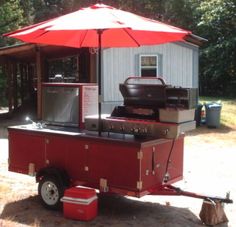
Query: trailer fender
[{"x": 60, "y": 174}]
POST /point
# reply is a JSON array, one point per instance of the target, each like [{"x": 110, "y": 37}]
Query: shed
[
  {"x": 177, "y": 63},
  {"x": 26, "y": 66}
]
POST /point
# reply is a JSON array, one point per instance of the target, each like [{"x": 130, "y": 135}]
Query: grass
[{"x": 228, "y": 111}]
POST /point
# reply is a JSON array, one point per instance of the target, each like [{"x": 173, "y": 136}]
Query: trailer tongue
[{"x": 139, "y": 152}]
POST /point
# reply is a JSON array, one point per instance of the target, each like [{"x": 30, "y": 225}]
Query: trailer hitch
[
  {"x": 178, "y": 191},
  {"x": 212, "y": 210}
]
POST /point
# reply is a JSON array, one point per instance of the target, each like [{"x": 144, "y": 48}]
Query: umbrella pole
[{"x": 99, "y": 81}]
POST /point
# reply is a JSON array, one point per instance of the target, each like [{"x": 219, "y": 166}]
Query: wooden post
[
  {"x": 39, "y": 72},
  {"x": 21, "y": 83},
  {"x": 15, "y": 87},
  {"x": 93, "y": 65},
  {"x": 9, "y": 84}
]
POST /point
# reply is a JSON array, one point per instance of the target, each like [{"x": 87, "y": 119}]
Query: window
[
  {"x": 148, "y": 65},
  {"x": 66, "y": 69}
]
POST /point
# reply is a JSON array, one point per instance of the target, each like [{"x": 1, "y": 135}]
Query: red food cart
[{"x": 140, "y": 150}]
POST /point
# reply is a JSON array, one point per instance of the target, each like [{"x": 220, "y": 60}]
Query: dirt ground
[{"x": 209, "y": 167}]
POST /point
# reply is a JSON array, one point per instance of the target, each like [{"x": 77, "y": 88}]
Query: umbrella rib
[
  {"x": 41, "y": 34},
  {"x": 125, "y": 29},
  {"x": 83, "y": 38}
]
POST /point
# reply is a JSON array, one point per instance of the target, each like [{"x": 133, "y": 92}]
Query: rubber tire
[{"x": 51, "y": 190}]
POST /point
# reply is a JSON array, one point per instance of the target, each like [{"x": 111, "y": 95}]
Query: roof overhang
[
  {"x": 26, "y": 52},
  {"x": 195, "y": 39}
]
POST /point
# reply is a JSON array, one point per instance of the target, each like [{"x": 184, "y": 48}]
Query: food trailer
[{"x": 139, "y": 151}]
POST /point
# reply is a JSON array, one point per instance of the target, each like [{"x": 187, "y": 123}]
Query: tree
[
  {"x": 218, "y": 69},
  {"x": 11, "y": 18},
  {"x": 47, "y": 9},
  {"x": 28, "y": 13}
]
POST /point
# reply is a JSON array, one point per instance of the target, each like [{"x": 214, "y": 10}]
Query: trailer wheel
[{"x": 51, "y": 190}]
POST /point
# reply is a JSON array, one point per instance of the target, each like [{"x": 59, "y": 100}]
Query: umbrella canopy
[
  {"x": 120, "y": 29},
  {"x": 100, "y": 26}
]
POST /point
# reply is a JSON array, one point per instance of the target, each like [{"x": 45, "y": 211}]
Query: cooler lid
[{"x": 80, "y": 192}]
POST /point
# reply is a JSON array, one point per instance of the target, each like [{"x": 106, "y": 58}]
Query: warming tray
[{"x": 175, "y": 115}]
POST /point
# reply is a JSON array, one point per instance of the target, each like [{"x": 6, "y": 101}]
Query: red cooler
[{"x": 80, "y": 203}]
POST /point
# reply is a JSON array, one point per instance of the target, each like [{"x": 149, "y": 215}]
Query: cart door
[
  {"x": 164, "y": 157},
  {"x": 77, "y": 159},
  {"x": 113, "y": 165}
]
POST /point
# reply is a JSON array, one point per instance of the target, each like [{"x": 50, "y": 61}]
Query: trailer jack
[{"x": 212, "y": 211}]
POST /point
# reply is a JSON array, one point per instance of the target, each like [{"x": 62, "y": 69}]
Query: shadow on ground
[{"x": 113, "y": 211}]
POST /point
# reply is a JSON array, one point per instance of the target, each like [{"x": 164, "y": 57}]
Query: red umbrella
[{"x": 100, "y": 26}]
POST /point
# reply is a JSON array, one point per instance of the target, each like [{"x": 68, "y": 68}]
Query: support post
[
  {"x": 15, "y": 86},
  {"x": 9, "y": 84},
  {"x": 39, "y": 82},
  {"x": 99, "y": 32},
  {"x": 22, "y": 82}
]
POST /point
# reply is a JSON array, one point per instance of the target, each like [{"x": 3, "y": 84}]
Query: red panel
[
  {"x": 175, "y": 168},
  {"x": 76, "y": 159},
  {"x": 56, "y": 147},
  {"x": 155, "y": 160},
  {"x": 116, "y": 162},
  {"x": 25, "y": 148},
  {"x": 152, "y": 164},
  {"x": 127, "y": 165}
]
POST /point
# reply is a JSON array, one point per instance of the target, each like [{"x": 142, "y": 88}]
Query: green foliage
[
  {"x": 27, "y": 8},
  {"x": 47, "y": 9},
  {"x": 179, "y": 13},
  {"x": 11, "y": 17},
  {"x": 218, "y": 57}
]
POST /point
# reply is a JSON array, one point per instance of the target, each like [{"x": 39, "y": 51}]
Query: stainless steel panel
[
  {"x": 175, "y": 115},
  {"x": 60, "y": 105},
  {"x": 142, "y": 128}
]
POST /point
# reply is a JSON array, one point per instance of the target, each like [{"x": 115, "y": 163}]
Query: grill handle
[{"x": 144, "y": 78}]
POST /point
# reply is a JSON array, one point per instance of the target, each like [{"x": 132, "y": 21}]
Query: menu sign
[{"x": 89, "y": 101}]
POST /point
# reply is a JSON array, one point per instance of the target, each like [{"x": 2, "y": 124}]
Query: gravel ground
[{"x": 209, "y": 167}]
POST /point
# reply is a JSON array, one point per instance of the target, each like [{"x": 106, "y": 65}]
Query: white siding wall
[{"x": 176, "y": 62}]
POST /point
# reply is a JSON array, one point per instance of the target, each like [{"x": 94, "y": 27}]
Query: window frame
[{"x": 148, "y": 67}]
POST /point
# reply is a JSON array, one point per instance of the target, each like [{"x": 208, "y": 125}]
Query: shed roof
[{"x": 195, "y": 39}]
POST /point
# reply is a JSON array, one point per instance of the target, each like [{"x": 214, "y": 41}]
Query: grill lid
[{"x": 144, "y": 91}]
